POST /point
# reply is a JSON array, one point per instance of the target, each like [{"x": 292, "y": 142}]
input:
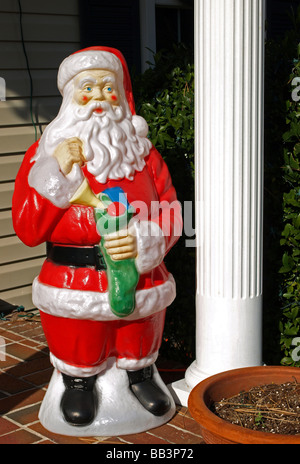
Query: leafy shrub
[
  {"x": 290, "y": 270},
  {"x": 164, "y": 96},
  {"x": 280, "y": 53}
]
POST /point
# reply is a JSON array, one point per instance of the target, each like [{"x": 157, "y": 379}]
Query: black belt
[{"x": 76, "y": 256}]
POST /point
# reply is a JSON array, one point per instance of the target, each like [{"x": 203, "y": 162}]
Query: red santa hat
[{"x": 107, "y": 58}]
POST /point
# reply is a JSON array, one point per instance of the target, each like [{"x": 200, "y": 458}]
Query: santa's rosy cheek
[
  {"x": 84, "y": 98},
  {"x": 114, "y": 98}
]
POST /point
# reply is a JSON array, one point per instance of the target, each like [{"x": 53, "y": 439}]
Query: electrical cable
[{"x": 28, "y": 69}]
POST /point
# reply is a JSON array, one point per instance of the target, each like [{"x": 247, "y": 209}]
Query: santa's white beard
[{"x": 114, "y": 145}]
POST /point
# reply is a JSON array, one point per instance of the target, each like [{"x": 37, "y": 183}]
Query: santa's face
[
  {"x": 96, "y": 85},
  {"x": 95, "y": 111}
]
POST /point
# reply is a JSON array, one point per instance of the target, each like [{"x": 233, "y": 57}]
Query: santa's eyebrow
[
  {"x": 87, "y": 80},
  {"x": 106, "y": 79}
]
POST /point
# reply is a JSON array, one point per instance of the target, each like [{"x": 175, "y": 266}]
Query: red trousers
[{"x": 85, "y": 343}]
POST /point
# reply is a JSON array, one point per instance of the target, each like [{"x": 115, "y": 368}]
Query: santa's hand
[
  {"x": 68, "y": 153},
  {"x": 121, "y": 245}
]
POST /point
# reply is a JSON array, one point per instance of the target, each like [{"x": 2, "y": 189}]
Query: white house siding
[{"x": 50, "y": 32}]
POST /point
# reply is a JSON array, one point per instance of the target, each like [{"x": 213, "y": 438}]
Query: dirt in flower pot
[{"x": 273, "y": 408}]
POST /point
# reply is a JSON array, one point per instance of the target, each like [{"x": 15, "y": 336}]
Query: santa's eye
[
  {"x": 109, "y": 89},
  {"x": 88, "y": 89}
]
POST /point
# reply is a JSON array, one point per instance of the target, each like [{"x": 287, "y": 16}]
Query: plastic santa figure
[{"x": 98, "y": 141}]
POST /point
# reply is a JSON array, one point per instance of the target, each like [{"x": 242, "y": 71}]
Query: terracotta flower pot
[{"x": 215, "y": 430}]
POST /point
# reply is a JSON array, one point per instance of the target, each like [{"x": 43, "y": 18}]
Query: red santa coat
[{"x": 73, "y": 300}]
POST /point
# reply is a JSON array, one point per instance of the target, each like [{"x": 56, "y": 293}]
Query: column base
[
  {"x": 180, "y": 392},
  {"x": 181, "y": 389}
]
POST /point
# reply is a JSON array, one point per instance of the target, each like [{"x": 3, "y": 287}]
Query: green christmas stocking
[{"x": 122, "y": 275}]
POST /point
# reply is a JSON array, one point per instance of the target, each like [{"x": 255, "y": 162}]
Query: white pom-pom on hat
[{"x": 140, "y": 125}]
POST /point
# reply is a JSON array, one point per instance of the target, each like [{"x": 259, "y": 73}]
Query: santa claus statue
[{"x": 104, "y": 372}]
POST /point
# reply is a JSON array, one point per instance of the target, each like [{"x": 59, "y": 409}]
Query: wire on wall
[{"x": 28, "y": 69}]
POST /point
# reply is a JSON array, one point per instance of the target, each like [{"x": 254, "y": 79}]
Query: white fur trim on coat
[
  {"x": 76, "y": 371},
  {"x": 47, "y": 179},
  {"x": 130, "y": 364},
  {"x": 122, "y": 363},
  {"x": 78, "y": 304},
  {"x": 151, "y": 245}
]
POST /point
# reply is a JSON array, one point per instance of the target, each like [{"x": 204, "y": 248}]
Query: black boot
[
  {"x": 78, "y": 402},
  {"x": 148, "y": 393}
]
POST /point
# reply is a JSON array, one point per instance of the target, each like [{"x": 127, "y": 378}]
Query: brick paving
[{"x": 25, "y": 372}]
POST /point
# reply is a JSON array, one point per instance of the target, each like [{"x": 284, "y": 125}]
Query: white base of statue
[{"x": 119, "y": 412}]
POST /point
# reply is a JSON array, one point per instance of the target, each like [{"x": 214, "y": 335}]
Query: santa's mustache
[{"x": 99, "y": 109}]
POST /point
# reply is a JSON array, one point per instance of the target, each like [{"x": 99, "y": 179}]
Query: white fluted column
[{"x": 229, "y": 60}]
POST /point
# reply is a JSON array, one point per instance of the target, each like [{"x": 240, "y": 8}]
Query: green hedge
[
  {"x": 280, "y": 55},
  {"x": 290, "y": 270},
  {"x": 164, "y": 96}
]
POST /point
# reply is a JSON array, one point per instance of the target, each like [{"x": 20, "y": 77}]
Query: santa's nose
[{"x": 98, "y": 95}]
